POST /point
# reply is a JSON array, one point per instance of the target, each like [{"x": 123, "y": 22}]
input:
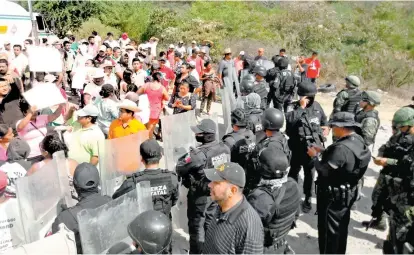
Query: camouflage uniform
[
  {"x": 347, "y": 100},
  {"x": 369, "y": 118}
]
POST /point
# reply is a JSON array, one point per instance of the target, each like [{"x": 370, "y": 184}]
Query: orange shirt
[{"x": 117, "y": 130}]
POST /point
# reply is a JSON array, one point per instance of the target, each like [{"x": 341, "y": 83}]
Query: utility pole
[{"x": 34, "y": 23}]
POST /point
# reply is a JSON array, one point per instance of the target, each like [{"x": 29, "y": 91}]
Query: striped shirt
[{"x": 237, "y": 231}]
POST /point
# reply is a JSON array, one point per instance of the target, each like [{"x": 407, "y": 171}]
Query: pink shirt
[
  {"x": 199, "y": 64},
  {"x": 170, "y": 57},
  {"x": 3, "y": 154},
  {"x": 238, "y": 63},
  {"x": 33, "y": 133},
  {"x": 155, "y": 100}
]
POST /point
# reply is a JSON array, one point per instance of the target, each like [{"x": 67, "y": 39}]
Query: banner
[
  {"x": 44, "y": 96},
  {"x": 44, "y": 59}
]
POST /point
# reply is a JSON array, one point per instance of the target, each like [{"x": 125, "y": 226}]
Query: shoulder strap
[{"x": 277, "y": 197}]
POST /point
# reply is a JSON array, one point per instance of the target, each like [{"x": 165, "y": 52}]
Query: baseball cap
[
  {"x": 274, "y": 163},
  {"x": 88, "y": 110},
  {"x": 102, "y": 48},
  {"x": 241, "y": 53},
  {"x": 205, "y": 126},
  {"x": 194, "y": 42},
  {"x": 150, "y": 149},
  {"x": 4, "y": 180},
  {"x": 171, "y": 46},
  {"x": 231, "y": 172},
  {"x": 86, "y": 176}
]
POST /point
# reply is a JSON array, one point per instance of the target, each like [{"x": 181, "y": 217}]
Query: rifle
[{"x": 311, "y": 139}]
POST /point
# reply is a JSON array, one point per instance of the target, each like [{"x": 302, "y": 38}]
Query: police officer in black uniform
[
  {"x": 251, "y": 105},
  {"x": 86, "y": 182},
  {"x": 164, "y": 183},
  {"x": 261, "y": 87},
  {"x": 304, "y": 127},
  {"x": 342, "y": 165},
  {"x": 151, "y": 232},
  {"x": 283, "y": 88},
  {"x": 272, "y": 122},
  {"x": 190, "y": 168},
  {"x": 241, "y": 141},
  {"x": 276, "y": 200}
]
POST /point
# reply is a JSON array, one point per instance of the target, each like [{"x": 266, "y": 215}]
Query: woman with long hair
[
  {"x": 125, "y": 82},
  {"x": 107, "y": 107}
]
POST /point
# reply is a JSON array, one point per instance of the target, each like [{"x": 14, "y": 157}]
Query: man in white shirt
[
  {"x": 20, "y": 61},
  {"x": 92, "y": 89},
  {"x": 153, "y": 42},
  {"x": 138, "y": 77},
  {"x": 98, "y": 39},
  {"x": 190, "y": 49},
  {"x": 180, "y": 48},
  {"x": 193, "y": 71},
  {"x": 110, "y": 40}
]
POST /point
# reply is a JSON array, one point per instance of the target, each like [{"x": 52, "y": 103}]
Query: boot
[
  {"x": 378, "y": 224},
  {"x": 306, "y": 205}
]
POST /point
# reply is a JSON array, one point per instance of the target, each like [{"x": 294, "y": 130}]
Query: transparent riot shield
[
  {"x": 40, "y": 197},
  {"x": 118, "y": 158},
  {"x": 65, "y": 178},
  {"x": 105, "y": 226},
  {"x": 177, "y": 136},
  {"x": 229, "y": 99},
  {"x": 226, "y": 106}
]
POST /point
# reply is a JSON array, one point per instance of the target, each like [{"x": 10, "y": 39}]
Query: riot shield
[
  {"x": 177, "y": 136},
  {"x": 65, "y": 178},
  {"x": 226, "y": 106},
  {"x": 105, "y": 226},
  {"x": 117, "y": 158},
  {"x": 39, "y": 197}
]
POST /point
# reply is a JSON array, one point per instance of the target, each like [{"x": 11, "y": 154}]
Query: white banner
[
  {"x": 44, "y": 95},
  {"x": 44, "y": 59}
]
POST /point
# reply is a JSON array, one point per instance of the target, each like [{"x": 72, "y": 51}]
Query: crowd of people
[{"x": 243, "y": 193}]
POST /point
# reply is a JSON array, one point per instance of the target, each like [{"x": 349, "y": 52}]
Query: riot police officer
[
  {"x": 342, "y": 165},
  {"x": 85, "y": 181},
  {"x": 241, "y": 141},
  {"x": 398, "y": 146},
  {"x": 276, "y": 200},
  {"x": 272, "y": 122},
  {"x": 283, "y": 88},
  {"x": 190, "y": 167},
  {"x": 347, "y": 100},
  {"x": 368, "y": 117},
  {"x": 164, "y": 183},
  {"x": 151, "y": 232},
  {"x": 305, "y": 126},
  {"x": 261, "y": 87}
]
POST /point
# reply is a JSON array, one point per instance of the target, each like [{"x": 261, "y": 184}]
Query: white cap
[
  {"x": 194, "y": 42},
  {"x": 99, "y": 73},
  {"x": 102, "y": 48},
  {"x": 171, "y": 46},
  {"x": 241, "y": 53},
  {"x": 50, "y": 78},
  {"x": 88, "y": 110}
]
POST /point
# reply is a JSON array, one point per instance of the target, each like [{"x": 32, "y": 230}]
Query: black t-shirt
[
  {"x": 303, "y": 74},
  {"x": 191, "y": 80},
  {"x": 10, "y": 111}
]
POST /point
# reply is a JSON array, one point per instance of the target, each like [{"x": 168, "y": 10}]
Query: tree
[{"x": 67, "y": 15}]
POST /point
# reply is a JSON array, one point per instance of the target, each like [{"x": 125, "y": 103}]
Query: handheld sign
[{"x": 44, "y": 95}]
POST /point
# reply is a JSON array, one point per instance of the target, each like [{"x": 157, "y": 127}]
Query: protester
[
  {"x": 236, "y": 227},
  {"x": 107, "y": 107},
  {"x": 185, "y": 76},
  {"x": 101, "y": 56},
  {"x": 6, "y": 135},
  {"x": 93, "y": 46},
  {"x": 126, "y": 124},
  {"x": 86, "y": 182},
  {"x": 16, "y": 165},
  {"x": 20, "y": 61},
  {"x": 260, "y": 55},
  {"x": 153, "y": 42},
  {"x": 142, "y": 101},
  {"x": 238, "y": 62},
  {"x": 178, "y": 62},
  {"x": 183, "y": 101},
  {"x": 170, "y": 55},
  {"x": 156, "y": 93},
  {"x": 124, "y": 41},
  {"x": 110, "y": 40},
  {"x": 193, "y": 71},
  {"x": 180, "y": 48},
  {"x": 11, "y": 228},
  {"x": 302, "y": 68},
  {"x": 314, "y": 67},
  {"x": 92, "y": 89},
  {"x": 98, "y": 39},
  {"x": 191, "y": 48},
  {"x": 83, "y": 146},
  {"x": 125, "y": 82},
  {"x": 32, "y": 128},
  {"x": 204, "y": 56},
  {"x": 198, "y": 61},
  {"x": 109, "y": 77},
  {"x": 138, "y": 77},
  {"x": 208, "y": 88},
  {"x": 168, "y": 74}
]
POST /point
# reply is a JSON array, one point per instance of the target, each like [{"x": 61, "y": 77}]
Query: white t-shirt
[
  {"x": 98, "y": 40},
  {"x": 11, "y": 229},
  {"x": 92, "y": 89},
  {"x": 112, "y": 43},
  {"x": 144, "y": 106},
  {"x": 180, "y": 49},
  {"x": 138, "y": 78},
  {"x": 123, "y": 43},
  {"x": 153, "y": 48},
  {"x": 194, "y": 73},
  {"x": 13, "y": 171},
  {"x": 111, "y": 79}
]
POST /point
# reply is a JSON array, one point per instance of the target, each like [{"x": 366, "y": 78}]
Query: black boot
[
  {"x": 378, "y": 224},
  {"x": 306, "y": 205}
]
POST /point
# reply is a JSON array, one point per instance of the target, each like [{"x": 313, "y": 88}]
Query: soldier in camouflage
[
  {"x": 261, "y": 87},
  {"x": 347, "y": 100},
  {"x": 394, "y": 189},
  {"x": 368, "y": 117}
]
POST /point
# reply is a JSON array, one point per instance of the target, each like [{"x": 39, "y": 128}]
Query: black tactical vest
[
  {"x": 261, "y": 89},
  {"x": 352, "y": 104},
  {"x": 245, "y": 142},
  {"x": 287, "y": 83},
  {"x": 361, "y": 115},
  {"x": 161, "y": 188}
]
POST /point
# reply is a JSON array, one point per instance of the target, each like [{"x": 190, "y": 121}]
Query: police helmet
[
  {"x": 283, "y": 63},
  {"x": 238, "y": 117},
  {"x": 260, "y": 70},
  {"x": 306, "y": 89},
  {"x": 247, "y": 84},
  {"x": 152, "y": 231},
  {"x": 275, "y": 60},
  {"x": 273, "y": 119},
  {"x": 86, "y": 176},
  {"x": 372, "y": 97},
  {"x": 274, "y": 164},
  {"x": 352, "y": 81},
  {"x": 403, "y": 117}
]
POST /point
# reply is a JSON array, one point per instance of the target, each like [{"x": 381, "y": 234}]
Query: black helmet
[
  {"x": 306, "y": 89},
  {"x": 152, "y": 231},
  {"x": 275, "y": 60},
  {"x": 273, "y": 119},
  {"x": 238, "y": 117},
  {"x": 260, "y": 70},
  {"x": 247, "y": 84},
  {"x": 283, "y": 63}
]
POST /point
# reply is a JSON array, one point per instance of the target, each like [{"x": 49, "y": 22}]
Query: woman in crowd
[
  {"x": 209, "y": 81},
  {"x": 125, "y": 82},
  {"x": 6, "y": 135},
  {"x": 183, "y": 101},
  {"x": 32, "y": 128},
  {"x": 108, "y": 110},
  {"x": 156, "y": 93}
]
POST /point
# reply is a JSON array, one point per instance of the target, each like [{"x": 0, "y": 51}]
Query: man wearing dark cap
[
  {"x": 276, "y": 200},
  {"x": 343, "y": 164},
  {"x": 236, "y": 227},
  {"x": 164, "y": 183},
  {"x": 86, "y": 181},
  {"x": 241, "y": 141},
  {"x": 190, "y": 167}
]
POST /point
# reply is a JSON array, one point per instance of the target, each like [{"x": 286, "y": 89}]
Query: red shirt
[
  {"x": 313, "y": 67},
  {"x": 168, "y": 76},
  {"x": 199, "y": 63}
]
